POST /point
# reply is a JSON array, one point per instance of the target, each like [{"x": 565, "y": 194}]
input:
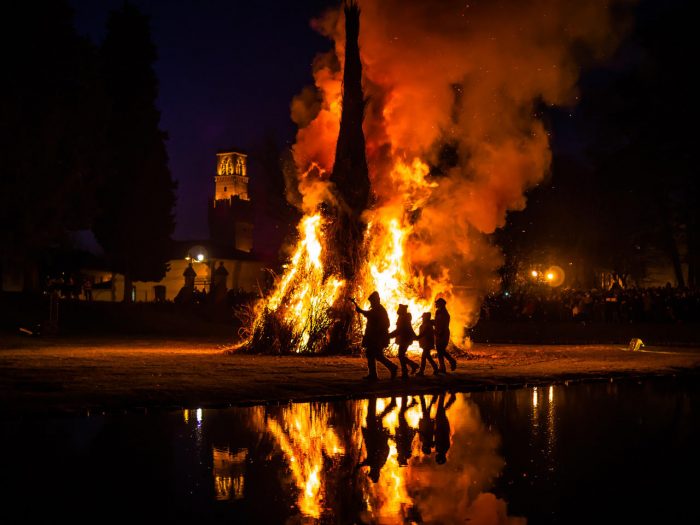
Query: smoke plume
[{"x": 455, "y": 85}]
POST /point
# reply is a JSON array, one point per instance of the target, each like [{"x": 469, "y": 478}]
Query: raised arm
[{"x": 358, "y": 309}]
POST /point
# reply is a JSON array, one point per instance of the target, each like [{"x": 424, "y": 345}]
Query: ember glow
[{"x": 453, "y": 141}]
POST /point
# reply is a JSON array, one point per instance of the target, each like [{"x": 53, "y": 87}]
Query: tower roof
[{"x": 227, "y": 151}]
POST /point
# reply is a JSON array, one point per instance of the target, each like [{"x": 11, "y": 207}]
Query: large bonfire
[{"x": 401, "y": 182}]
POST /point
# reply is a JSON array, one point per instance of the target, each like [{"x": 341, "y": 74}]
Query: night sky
[{"x": 227, "y": 73}]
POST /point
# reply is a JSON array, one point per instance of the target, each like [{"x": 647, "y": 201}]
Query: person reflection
[
  {"x": 425, "y": 426},
  {"x": 442, "y": 428},
  {"x": 376, "y": 438},
  {"x": 404, "y": 432}
]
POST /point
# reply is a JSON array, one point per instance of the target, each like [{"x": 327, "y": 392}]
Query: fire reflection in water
[
  {"x": 303, "y": 433},
  {"x": 422, "y": 459}
]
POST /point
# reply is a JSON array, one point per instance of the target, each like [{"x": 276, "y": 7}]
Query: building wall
[
  {"x": 230, "y": 211},
  {"x": 242, "y": 275},
  {"x": 231, "y": 223}
]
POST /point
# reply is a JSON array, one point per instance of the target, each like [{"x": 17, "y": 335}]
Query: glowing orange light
[{"x": 555, "y": 276}]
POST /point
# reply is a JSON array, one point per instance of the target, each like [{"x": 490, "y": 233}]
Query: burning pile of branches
[{"x": 300, "y": 313}]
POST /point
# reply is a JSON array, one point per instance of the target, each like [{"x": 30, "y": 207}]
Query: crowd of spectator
[
  {"x": 633, "y": 305},
  {"x": 70, "y": 286}
]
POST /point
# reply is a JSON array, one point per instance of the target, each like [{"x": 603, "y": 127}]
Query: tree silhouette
[
  {"x": 51, "y": 124},
  {"x": 137, "y": 196}
]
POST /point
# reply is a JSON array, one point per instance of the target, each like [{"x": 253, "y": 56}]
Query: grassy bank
[
  {"x": 533, "y": 332},
  {"x": 21, "y": 314}
]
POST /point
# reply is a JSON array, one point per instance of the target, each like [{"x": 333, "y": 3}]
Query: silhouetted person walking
[
  {"x": 442, "y": 428},
  {"x": 376, "y": 337},
  {"x": 426, "y": 340},
  {"x": 404, "y": 433},
  {"x": 376, "y": 438},
  {"x": 442, "y": 334},
  {"x": 426, "y": 427},
  {"x": 404, "y": 335}
]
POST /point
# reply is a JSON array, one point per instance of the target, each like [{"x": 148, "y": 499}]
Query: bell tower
[
  {"x": 231, "y": 178},
  {"x": 230, "y": 212}
]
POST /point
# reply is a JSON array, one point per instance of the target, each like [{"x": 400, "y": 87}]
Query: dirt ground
[{"x": 44, "y": 377}]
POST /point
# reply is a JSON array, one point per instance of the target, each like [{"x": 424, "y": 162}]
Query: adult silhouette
[
  {"x": 376, "y": 337},
  {"x": 442, "y": 334}
]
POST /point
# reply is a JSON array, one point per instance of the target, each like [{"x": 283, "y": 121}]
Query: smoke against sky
[
  {"x": 228, "y": 71},
  {"x": 469, "y": 76}
]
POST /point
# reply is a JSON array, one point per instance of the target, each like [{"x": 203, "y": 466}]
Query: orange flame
[
  {"x": 304, "y": 294},
  {"x": 461, "y": 76}
]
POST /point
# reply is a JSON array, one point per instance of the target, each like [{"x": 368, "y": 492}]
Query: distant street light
[{"x": 555, "y": 276}]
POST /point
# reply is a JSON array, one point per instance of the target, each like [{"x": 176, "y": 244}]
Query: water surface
[{"x": 583, "y": 453}]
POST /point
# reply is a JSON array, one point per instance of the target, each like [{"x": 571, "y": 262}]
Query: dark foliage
[
  {"x": 51, "y": 133},
  {"x": 137, "y": 194}
]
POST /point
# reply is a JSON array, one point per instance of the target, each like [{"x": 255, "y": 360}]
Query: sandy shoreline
[{"x": 61, "y": 377}]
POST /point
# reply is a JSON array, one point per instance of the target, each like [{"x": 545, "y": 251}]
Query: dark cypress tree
[
  {"x": 50, "y": 134},
  {"x": 136, "y": 200}
]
